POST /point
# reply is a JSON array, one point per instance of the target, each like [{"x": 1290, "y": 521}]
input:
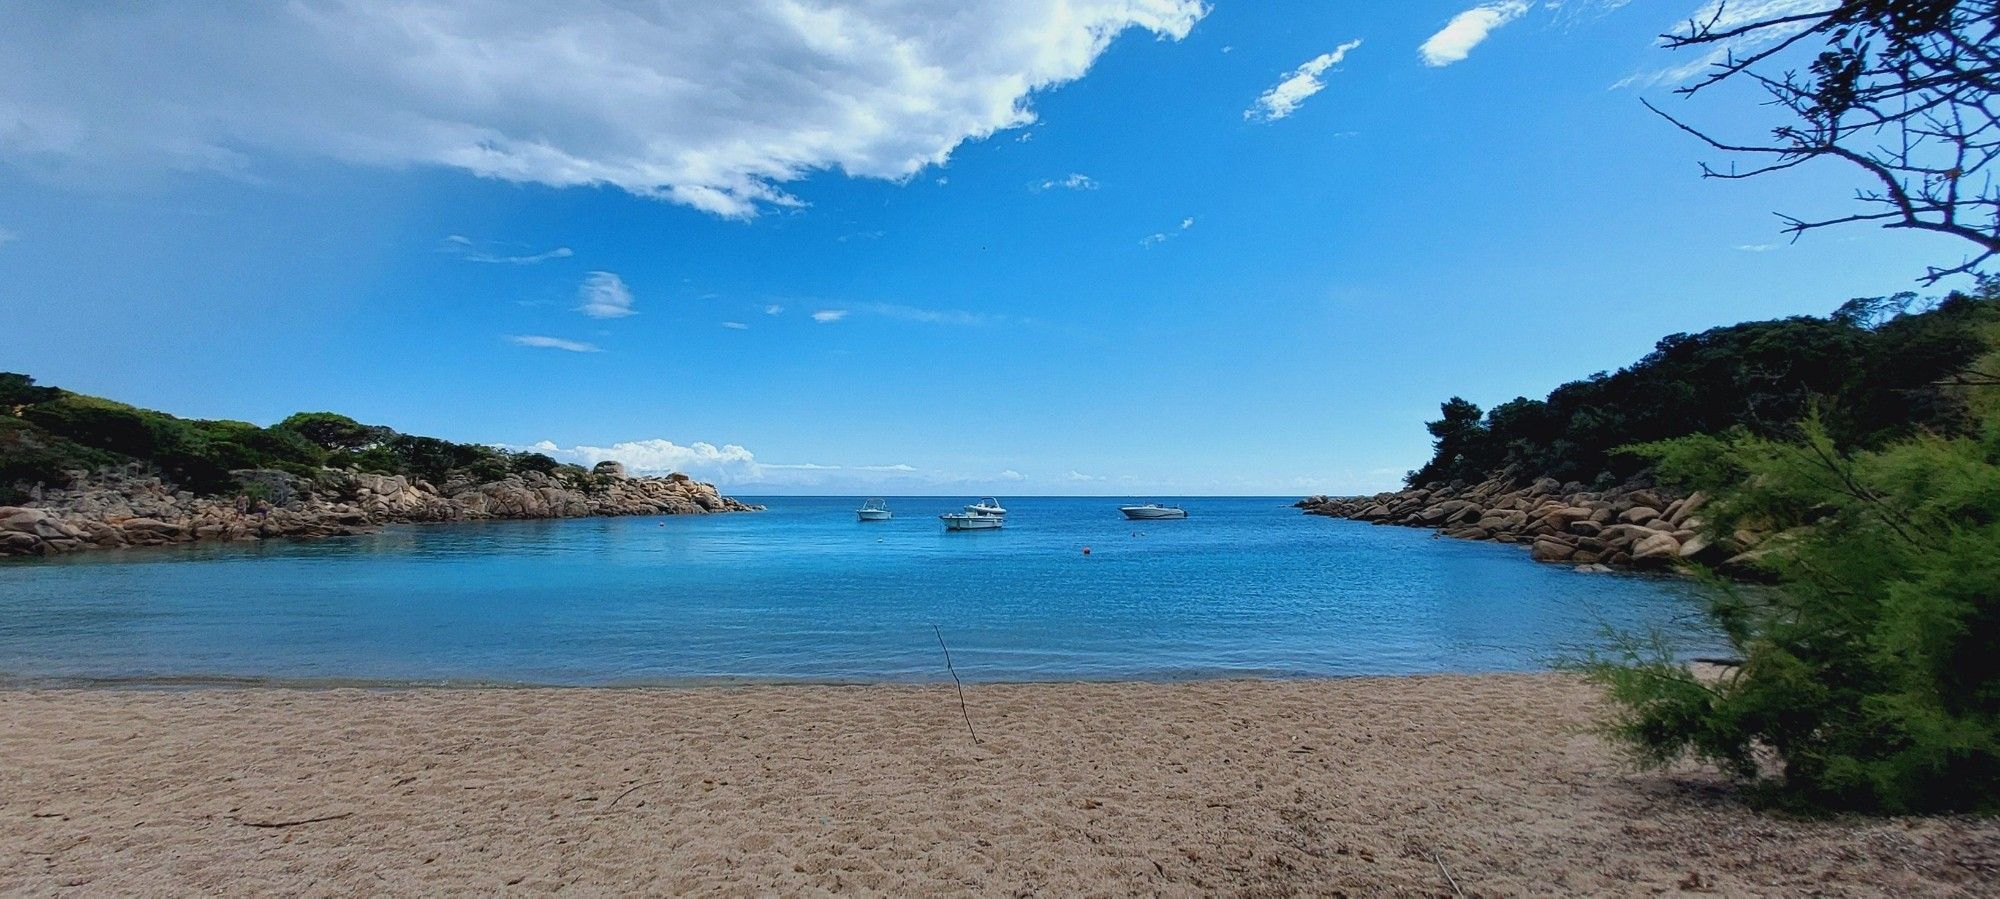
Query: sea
[{"x": 805, "y": 592}]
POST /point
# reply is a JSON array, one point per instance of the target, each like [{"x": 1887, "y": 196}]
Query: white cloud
[
  {"x": 473, "y": 251},
  {"x": 712, "y": 105},
  {"x": 652, "y": 457},
  {"x": 825, "y": 316},
  {"x": 1303, "y": 82},
  {"x": 1078, "y": 476},
  {"x": 1760, "y": 247},
  {"x": 736, "y": 326},
  {"x": 1073, "y": 181},
  {"x": 1011, "y": 475},
  {"x": 605, "y": 295},
  {"x": 774, "y": 309},
  {"x": 1468, "y": 30},
  {"x": 732, "y": 465},
  {"x": 1160, "y": 237},
  {"x": 8, "y": 235},
  {"x": 1727, "y": 15},
  {"x": 555, "y": 343},
  {"x": 932, "y": 316}
]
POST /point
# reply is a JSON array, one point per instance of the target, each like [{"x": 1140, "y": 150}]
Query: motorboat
[
  {"x": 972, "y": 521},
  {"x": 987, "y": 506},
  {"x": 873, "y": 510},
  {"x": 1152, "y": 512}
]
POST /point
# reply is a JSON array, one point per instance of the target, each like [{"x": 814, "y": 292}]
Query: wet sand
[{"x": 1370, "y": 786}]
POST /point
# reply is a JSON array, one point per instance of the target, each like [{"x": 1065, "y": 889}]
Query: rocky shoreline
[
  {"x": 130, "y": 507},
  {"x": 1627, "y": 527}
]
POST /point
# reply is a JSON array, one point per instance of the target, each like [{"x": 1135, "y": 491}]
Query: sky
[{"x": 1119, "y": 247}]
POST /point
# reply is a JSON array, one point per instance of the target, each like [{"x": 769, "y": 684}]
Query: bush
[{"x": 1871, "y": 672}]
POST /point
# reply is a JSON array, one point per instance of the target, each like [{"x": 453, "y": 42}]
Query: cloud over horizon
[
  {"x": 1285, "y": 97},
  {"x": 710, "y": 105}
]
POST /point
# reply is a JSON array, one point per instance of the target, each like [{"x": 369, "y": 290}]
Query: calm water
[{"x": 804, "y": 592}]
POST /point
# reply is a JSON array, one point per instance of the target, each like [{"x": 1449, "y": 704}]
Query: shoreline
[
  {"x": 1363, "y": 785},
  {"x": 171, "y": 683}
]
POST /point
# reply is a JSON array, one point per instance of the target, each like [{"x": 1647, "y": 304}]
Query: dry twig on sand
[
  {"x": 293, "y": 823},
  {"x": 956, "y": 682}
]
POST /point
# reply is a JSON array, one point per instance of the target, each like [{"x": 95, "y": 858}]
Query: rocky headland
[
  {"x": 130, "y": 506},
  {"x": 1634, "y": 526}
]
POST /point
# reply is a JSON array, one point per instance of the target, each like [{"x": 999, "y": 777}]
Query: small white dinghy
[
  {"x": 1152, "y": 512},
  {"x": 873, "y": 510}
]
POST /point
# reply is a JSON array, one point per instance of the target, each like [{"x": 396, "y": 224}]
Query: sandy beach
[{"x": 1408, "y": 786}]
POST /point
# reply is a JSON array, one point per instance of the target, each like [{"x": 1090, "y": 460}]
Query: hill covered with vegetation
[
  {"x": 48, "y": 432},
  {"x": 1875, "y": 370}
]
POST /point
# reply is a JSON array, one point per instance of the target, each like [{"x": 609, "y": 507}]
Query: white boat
[
  {"x": 972, "y": 521},
  {"x": 986, "y": 506},
  {"x": 1152, "y": 512},
  {"x": 873, "y": 510}
]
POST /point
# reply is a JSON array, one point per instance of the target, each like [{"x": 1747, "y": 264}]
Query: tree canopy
[
  {"x": 1900, "y": 91},
  {"x": 1876, "y": 368}
]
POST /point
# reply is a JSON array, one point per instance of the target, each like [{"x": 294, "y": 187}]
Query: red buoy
[{"x": 1086, "y": 550}]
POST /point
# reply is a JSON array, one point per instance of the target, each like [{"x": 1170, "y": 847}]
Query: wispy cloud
[
  {"x": 1080, "y": 477},
  {"x": 605, "y": 295},
  {"x": 736, "y": 326},
  {"x": 555, "y": 343},
  {"x": 1725, "y": 16},
  {"x": 1295, "y": 88},
  {"x": 9, "y": 235},
  {"x": 825, "y": 316},
  {"x": 774, "y": 309},
  {"x": 1159, "y": 237},
  {"x": 473, "y": 251},
  {"x": 1073, "y": 181},
  {"x": 1469, "y": 29},
  {"x": 931, "y": 316},
  {"x": 1760, "y": 247}
]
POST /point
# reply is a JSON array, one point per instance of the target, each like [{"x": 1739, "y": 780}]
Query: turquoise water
[{"x": 804, "y": 592}]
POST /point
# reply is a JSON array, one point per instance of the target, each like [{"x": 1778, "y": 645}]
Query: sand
[{"x": 1310, "y": 787}]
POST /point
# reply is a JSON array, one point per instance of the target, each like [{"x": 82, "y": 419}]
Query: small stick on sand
[
  {"x": 293, "y": 823},
  {"x": 1447, "y": 876},
  {"x": 630, "y": 790},
  {"x": 955, "y": 681}
]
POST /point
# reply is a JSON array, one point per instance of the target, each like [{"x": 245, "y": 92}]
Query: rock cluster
[
  {"x": 129, "y": 508},
  {"x": 1631, "y": 526}
]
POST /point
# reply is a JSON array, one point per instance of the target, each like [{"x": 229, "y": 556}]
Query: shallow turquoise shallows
[{"x": 804, "y": 592}]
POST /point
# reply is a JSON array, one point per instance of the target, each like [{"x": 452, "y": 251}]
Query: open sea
[{"x": 804, "y": 592}]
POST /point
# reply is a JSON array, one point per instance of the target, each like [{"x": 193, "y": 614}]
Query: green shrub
[{"x": 1871, "y": 670}]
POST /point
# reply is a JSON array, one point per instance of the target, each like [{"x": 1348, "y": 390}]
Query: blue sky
[{"x": 1109, "y": 246}]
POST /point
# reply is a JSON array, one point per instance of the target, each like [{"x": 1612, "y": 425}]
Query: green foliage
[
  {"x": 1870, "y": 676},
  {"x": 20, "y": 390},
  {"x": 46, "y": 431},
  {"x": 335, "y": 432},
  {"x": 1873, "y": 367}
]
